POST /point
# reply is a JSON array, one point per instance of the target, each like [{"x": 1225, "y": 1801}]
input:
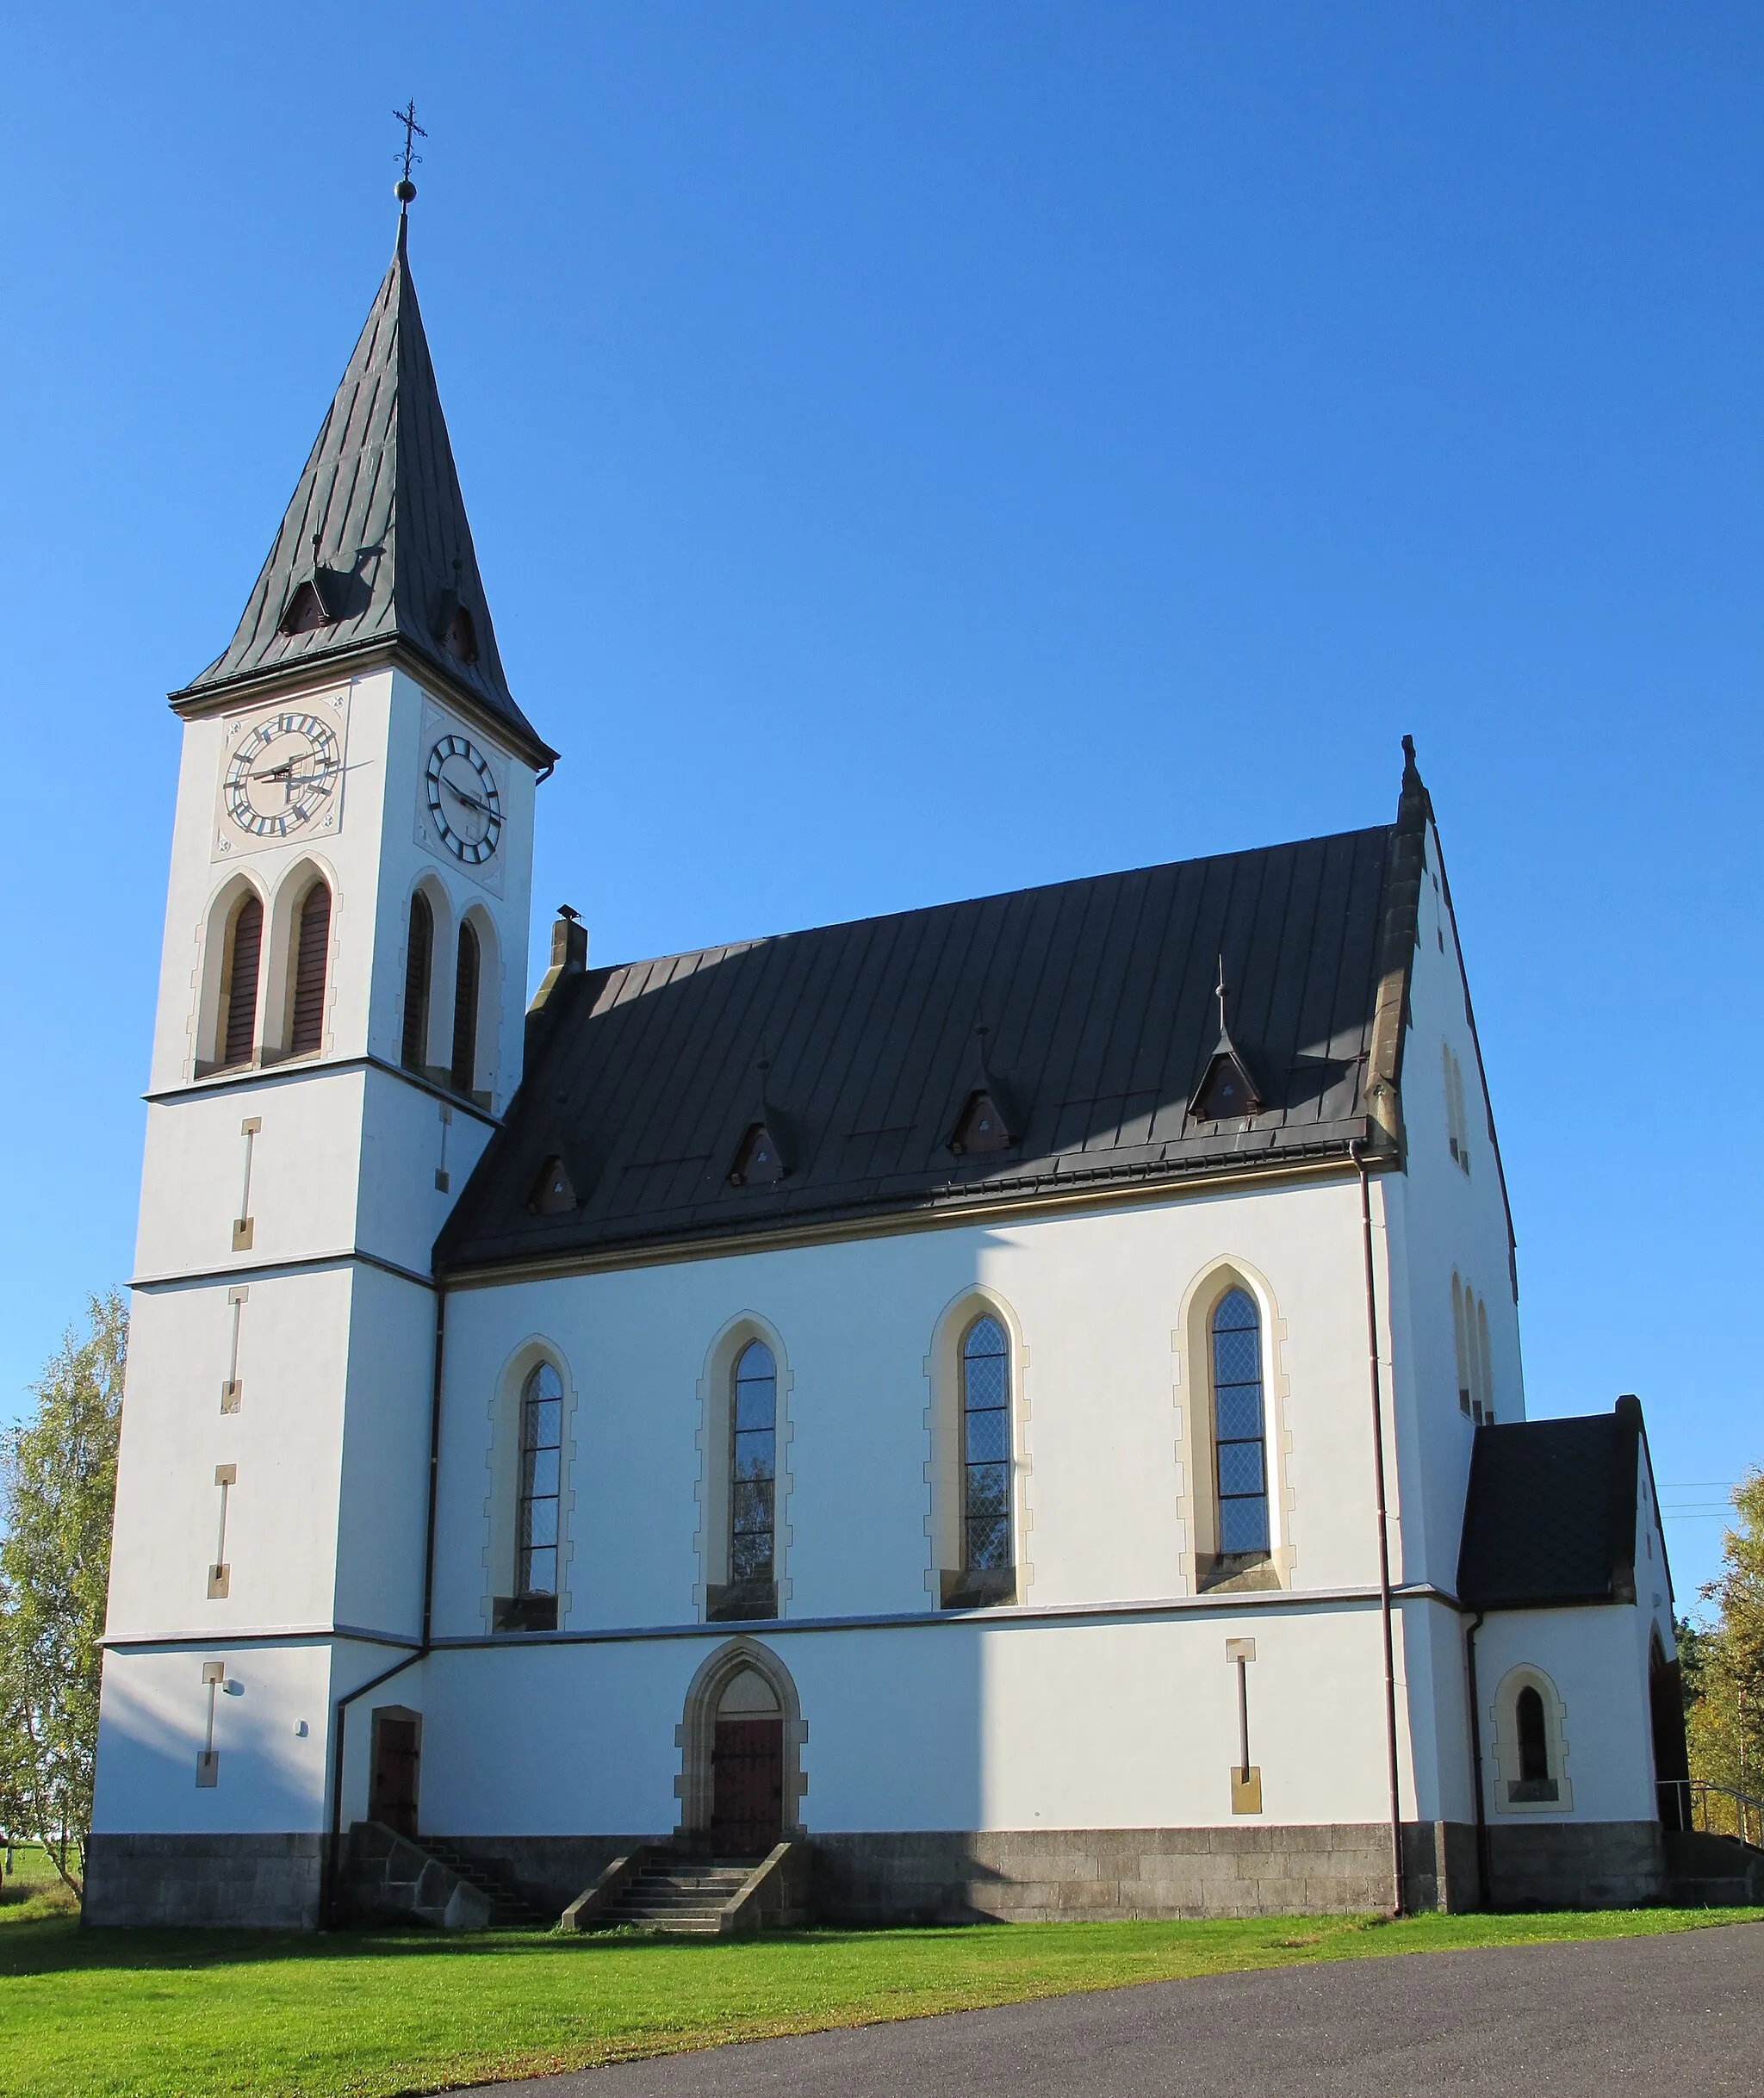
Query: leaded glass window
[
  {"x": 1238, "y": 1434},
  {"x": 540, "y": 1463},
  {"x": 752, "y": 1465},
  {"x": 985, "y": 1448}
]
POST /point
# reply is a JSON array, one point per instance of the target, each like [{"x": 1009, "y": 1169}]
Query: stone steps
[
  {"x": 676, "y": 1897},
  {"x": 509, "y": 1909}
]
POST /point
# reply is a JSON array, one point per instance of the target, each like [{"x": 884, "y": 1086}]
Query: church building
[{"x": 1012, "y": 1409}]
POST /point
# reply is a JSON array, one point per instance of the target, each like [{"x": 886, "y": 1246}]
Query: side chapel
[{"x": 1012, "y": 1409}]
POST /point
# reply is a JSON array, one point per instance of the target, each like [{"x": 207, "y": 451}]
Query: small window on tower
[
  {"x": 757, "y": 1163},
  {"x": 981, "y": 1127},
  {"x": 460, "y": 637},
  {"x": 305, "y": 610},
  {"x": 553, "y": 1195}
]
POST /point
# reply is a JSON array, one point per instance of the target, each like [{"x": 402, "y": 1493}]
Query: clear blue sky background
[{"x": 917, "y": 450}]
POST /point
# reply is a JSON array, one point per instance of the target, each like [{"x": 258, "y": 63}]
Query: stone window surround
[
  {"x": 275, "y": 962},
  {"x": 696, "y": 1735},
  {"x": 1504, "y": 1741},
  {"x": 716, "y": 1397},
  {"x": 942, "y": 1369},
  {"x": 502, "y": 1461},
  {"x": 1197, "y": 1495}
]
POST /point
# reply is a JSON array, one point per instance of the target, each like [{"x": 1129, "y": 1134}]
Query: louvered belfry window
[
  {"x": 242, "y": 983},
  {"x": 311, "y": 951},
  {"x": 465, "y": 1012},
  {"x": 1239, "y": 1435},
  {"x": 419, "y": 962},
  {"x": 985, "y": 1448}
]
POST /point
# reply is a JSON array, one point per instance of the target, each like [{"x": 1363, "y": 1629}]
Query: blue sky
[{"x": 918, "y": 450}]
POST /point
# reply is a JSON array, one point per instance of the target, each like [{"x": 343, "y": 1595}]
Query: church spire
[{"x": 374, "y": 558}]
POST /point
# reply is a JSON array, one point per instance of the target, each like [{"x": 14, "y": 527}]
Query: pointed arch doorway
[{"x": 740, "y": 1782}]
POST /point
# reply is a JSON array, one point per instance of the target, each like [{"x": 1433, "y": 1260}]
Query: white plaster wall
[
  {"x": 1440, "y": 1220},
  {"x": 154, "y": 1719},
  {"x": 400, "y": 1210},
  {"x": 382, "y": 1489},
  {"x": 1097, "y": 1296},
  {"x": 286, "y": 1440},
  {"x": 1597, "y": 1659},
  {"x": 963, "y": 1724}
]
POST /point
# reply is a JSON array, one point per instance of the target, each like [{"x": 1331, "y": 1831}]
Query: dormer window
[
  {"x": 553, "y": 1195},
  {"x": 306, "y": 611},
  {"x": 758, "y": 1163},
  {"x": 1226, "y": 1093},
  {"x": 980, "y": 1126},
  {"x": 459, "y": 638}
]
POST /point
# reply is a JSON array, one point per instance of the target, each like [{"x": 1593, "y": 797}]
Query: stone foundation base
[
  {"x": 273, "y": 1882},
  {"x": 1035, "y": 1876},
  {"x": 252, "y": 1882}
]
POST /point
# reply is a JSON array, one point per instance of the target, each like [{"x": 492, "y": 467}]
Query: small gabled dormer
[
  {"x": 455, "y": 634},
  {"x": 991, "y": 1117},
  {"x": 771, "y": 1145},
  {"x": 554, "y": 1192},
  {"x": 1228, "y": 1090}
]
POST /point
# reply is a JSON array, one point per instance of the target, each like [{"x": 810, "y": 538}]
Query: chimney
[{"x": 570, "y": 958}]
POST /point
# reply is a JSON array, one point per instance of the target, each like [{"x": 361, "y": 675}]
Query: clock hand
[{"x": 470, "y": 801}]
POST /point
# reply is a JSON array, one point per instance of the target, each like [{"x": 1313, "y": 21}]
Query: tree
[
  {"x": 57, "y": 1491},
  {"x": 1726, "y": 1723}
]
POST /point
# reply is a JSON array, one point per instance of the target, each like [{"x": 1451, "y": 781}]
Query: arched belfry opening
[{"x": 741, "y": 1783}]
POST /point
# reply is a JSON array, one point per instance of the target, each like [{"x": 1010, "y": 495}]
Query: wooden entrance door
[
  {"x": 392, "y": 1797},
  {"x": 747, "y": 1788}
]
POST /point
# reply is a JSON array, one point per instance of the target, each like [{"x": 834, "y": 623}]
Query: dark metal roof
[
  {"x": 1098, "y": 998},
  {"x": 394, "y": 558},
  {"x": 1550, "y": 1515}
]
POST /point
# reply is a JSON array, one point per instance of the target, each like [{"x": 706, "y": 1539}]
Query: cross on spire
[
  {"x": 413, "y": 131},
  {"x": 1219, "y": 993}
]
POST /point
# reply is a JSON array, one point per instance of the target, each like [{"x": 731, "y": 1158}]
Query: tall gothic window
[
  {"x": 1239, "y": 1437},
  {"x": 419, "y": 964},
  {"x": 239, "y": 1003},
  {"x": 541, "y": 1462},
  {"x": 1534, "y": 1741},
  {"x": 312, "y": 950},
  {"x": 465, "y": 1012},
  {"x": 752, "y": 1482},
  {"x": 986, "y": 1448}
]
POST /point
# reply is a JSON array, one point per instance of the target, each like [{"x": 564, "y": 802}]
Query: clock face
[
  {"x": 464, "y": 803},
  {"x": 282, "y": 775}
]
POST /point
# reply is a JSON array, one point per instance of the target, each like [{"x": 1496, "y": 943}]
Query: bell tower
[{"x": 338, "y": 1029}]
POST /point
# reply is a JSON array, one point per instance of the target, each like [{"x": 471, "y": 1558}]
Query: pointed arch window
[
  {"x": 238, "y": 1002},
  {"x": 541, "y": 1487},
  {"x": 464, "y": 1072},
  {"x": 312, "y": 951},
  {"x": 419, "y": 967},
  {"x": 1469, "y": 1338},
  {"x": 1239, "y": 1439},
  {"x": 752, "y": 1587},
  {"x": 988, "y": 1546}
]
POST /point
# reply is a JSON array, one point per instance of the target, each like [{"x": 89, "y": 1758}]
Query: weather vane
[{"x": 413, "y": 131}]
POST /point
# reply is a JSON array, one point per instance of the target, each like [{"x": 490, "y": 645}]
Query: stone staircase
[
  {"x": 393, "y": 1878},
  {"x": 677, "y": 1894},
  {"x": 669, "y": 1887},
  {"x": 510, "y": 1910},
  {"x": 1712, "y": 1872}
]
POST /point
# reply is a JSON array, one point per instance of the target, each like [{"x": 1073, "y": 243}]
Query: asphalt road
[{"x": 1681, "y": 2014}]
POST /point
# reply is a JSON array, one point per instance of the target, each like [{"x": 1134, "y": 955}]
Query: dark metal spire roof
[{"x": 378, "y": 529}]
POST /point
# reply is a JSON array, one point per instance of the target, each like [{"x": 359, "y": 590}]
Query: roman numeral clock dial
[{"x": 282, "y": 776}]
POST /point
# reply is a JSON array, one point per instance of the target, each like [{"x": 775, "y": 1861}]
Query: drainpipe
[
  {"x": 332, "y": 1873},
  {"x": 1482, "y": 1875},
  {"x": 1384, "y": 1600}
]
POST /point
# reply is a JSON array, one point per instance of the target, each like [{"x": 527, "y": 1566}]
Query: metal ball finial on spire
[{"x": 406, "y": 189}]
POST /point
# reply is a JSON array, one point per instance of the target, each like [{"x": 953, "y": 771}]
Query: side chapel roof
[
  {"x": 1099, "y": 1000},
  {"x": 1549, "y": 1519},
  {"x": 378, "y": 527}
]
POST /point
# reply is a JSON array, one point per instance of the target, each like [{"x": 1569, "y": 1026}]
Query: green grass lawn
[{"x": 196, "y": 2013}]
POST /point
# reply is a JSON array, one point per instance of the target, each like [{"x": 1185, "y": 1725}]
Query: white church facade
[{"x": 1018, "y": 1405}]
